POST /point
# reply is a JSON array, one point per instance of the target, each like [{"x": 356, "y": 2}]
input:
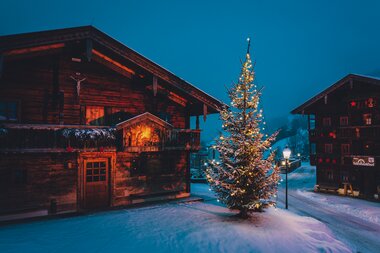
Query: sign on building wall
[{"x": 363, "y": 161}]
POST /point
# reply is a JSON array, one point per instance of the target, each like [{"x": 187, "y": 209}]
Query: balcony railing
[
  {"x": 16, "y": 137},
  {"x": 359, "y": 132},
  {"x": 327, "y": 159},
  {"x": 352, "y": 132},
  {"x": 175, "y": 139},
  {"x": 56, "y": 137}
]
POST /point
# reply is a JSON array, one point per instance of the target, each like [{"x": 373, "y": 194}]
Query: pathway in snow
[{"x": 354, "y": 221}]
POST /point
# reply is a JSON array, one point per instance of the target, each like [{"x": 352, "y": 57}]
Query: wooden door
[{"x": 96, "y": 183}]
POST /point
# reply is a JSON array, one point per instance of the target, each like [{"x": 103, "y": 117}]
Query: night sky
[{"x": 300, "y": 47}]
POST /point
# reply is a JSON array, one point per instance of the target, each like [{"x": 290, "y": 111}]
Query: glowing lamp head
[{"x": 286, "y": 153}]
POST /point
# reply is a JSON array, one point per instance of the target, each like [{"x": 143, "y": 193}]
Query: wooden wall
[
  {"x": 129, "y": 186},
  {"x": 335, "y": 168},
  {"x": 48, "y": 95},
  {"x": 41, "y": 83},
  {"x": 47, "y": 177}
]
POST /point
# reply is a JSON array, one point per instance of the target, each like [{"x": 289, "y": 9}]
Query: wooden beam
[
  {"x": 89, "y": 48},
  {"x": 204, "y": 112},
  {"x": 155, "y": 85},
  {"x": 113, "y": 62},
  {"x": 33, "y": 49},
  {"x": 176, "y": 98},
  {"x": 169, "y": 94}
]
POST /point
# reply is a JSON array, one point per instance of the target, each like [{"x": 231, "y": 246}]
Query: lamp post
[{"x": 286, "y": 153}]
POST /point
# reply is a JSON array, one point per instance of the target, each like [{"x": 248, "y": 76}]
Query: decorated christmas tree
[{"x": 246, "y": 178}]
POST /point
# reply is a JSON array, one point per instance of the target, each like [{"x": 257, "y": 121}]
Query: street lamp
[{"x": 286, "y": 153}]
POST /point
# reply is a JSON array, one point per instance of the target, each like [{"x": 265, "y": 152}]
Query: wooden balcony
[
  {"x": 327, "y": 159},
  {"x": 70, "y": 138},
  {"x": 352, "y": 132},
  {"x": 53, "y": 138},
  {"x": 175, "y": 139},
  {"x": 323, "y": 133},
  {"x": 359, "y": 132}
]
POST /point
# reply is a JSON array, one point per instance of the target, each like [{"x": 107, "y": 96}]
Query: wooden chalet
[
  {"x": 344, "y": 134},
  {"x": 86, "y": 122}
]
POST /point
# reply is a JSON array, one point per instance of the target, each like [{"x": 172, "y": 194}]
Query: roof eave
[
  {"x": 89, "y": 32},
  {"x": 302, "y": 108}
]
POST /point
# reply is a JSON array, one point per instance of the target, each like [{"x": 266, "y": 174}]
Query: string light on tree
[{"x": 246, "y": 178}]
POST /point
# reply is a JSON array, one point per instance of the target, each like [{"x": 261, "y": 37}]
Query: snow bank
[
  {"x": 362, "y": 209},
  {"x": 173, "y": 227}
]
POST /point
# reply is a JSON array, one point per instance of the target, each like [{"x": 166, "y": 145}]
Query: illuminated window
[
  {"x": 328, "y": 148},
  {"x": 343, "y": 121},
  {"x": 8, "y": 111},
  {"x": 370, "y": 103},
  {"x": 327, "y": 121},
  {"x": 95, "y": 115},
  {"x": 367, "y": 118}
]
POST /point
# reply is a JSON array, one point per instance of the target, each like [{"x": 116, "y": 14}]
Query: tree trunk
[{"x": 243, "y": 214}]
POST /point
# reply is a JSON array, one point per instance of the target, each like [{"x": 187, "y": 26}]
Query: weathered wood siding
[
  {"x": 129, "y": 186},
  {"x": 47, "y": 95},
  {"x": 336, "y": 168},
  {"x": 40, "y": 83},
  {"x": 47, "y": 178}
]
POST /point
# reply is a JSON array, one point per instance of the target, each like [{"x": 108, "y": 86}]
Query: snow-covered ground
[
  {"x": 315, "y": 222},
  {"x": 362, "y": 209},
  {"x": 173, "y": 227},
  {"x": 353, "y": 221},
  {"x": 302, "y": 181}
]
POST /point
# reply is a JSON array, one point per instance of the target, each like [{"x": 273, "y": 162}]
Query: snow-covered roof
[{"x": 144, "y": 117}]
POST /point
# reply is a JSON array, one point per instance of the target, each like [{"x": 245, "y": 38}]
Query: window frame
[
  {"x": 326, "y": 121},
  {"x": 87, "y": 107},
  {"x": 330, "y": 175},
  {"x": 330, "y": 149},
  {"x": 19, "y": 176},
  {"x": 343, "y": 119},
  {"x": 367, "y": 119},
  {"x": 96, "y": 176},
  {"x": 344, "y": 150},
  {"x": 18, "y": 109}
]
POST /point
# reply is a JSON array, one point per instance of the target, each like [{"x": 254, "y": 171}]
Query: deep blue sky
[{"x": 300, "y": 47}]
